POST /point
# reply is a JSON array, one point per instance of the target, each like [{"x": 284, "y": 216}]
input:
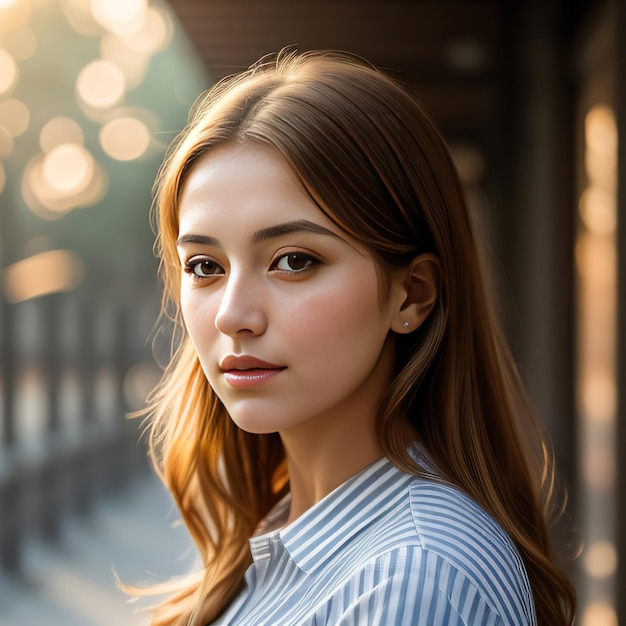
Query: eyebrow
[{"x": 298, "y": 226}]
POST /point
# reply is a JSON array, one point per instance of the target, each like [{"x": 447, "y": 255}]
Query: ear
[{"x": 421, "y": 286}]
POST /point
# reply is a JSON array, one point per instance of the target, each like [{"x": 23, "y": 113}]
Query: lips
[
  {"x": 243, "y": 372},
  {"x": 245, "y": 363}
]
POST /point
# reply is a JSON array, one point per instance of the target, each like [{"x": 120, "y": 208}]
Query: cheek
[
  {"x": 341, "y": 320},
  {"x": 188, "y": 309},
  {"x": 198, "y": 314}
]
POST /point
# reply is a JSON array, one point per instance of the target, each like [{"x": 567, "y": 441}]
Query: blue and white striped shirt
[{"x": 385, "y": 549}]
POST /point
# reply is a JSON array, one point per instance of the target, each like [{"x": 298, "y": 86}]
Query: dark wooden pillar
[{"x": 542, "y": 235}]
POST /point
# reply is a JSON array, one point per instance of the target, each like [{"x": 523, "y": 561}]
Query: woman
[{"x": 341, "y": 425}]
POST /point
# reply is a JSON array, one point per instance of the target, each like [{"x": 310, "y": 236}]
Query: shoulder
[
  {"x": 468, "y": 550},
  {"x": 450, "y": 523}
]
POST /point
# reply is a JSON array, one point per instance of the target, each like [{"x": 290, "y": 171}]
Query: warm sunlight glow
[
  {"x": 43, "y": 199},
  {"x": 598, "y": 210},
  {"x": 601, "y": 168},
  {"x": 599, "y": 614},
  {"x": 601, "y": 130},
  {"x": 601, "y": 146},
  {"x": 14, "y": 14},
  {"x": 68, "y": 168},
  {"x": 101, "y": 84},
  {"x": 3, "y": 178},
  {"x": 133, "y": 65},
  {"x": 21, "y": 43},
  {"x": 125, "y": 138},
  {"x": 596, "y": 373},
  {"x": 8, "y": 71},
  {"x": 596, "y": 263},
  {"x": 600, "y": 559},
  {"x": 120, "y": 16},
  {"x": 14, "y": 116},
  {"x": 599, "y": 397},
  {"x": 58, "y": 131},
  {"x": 78, "y": 14},
  {"x": 52, "y": 194},
  {"x": 154, "y": 35},
  {"x": 42, "y": 274}
]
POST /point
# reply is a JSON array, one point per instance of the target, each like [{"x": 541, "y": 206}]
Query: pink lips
[{"x": 247, "y": 371}]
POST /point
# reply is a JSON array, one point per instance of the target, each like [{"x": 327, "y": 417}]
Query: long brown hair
[{"x": 371, "y": 160}]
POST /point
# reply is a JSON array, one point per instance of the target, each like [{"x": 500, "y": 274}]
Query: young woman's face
[{"x": 281, "y": 306}]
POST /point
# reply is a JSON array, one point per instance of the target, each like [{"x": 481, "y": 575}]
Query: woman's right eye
[{"x": 203, "y": 268}]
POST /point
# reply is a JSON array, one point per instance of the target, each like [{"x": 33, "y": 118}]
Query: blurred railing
[{"x": 71, "y": 367}]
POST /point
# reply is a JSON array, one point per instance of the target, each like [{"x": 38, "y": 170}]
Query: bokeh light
[
  {"x": 125, "y": 138},
  {"x": 14, "y": 14},
  {"x": 42, "y": 274},
  {"x": 595, "y": 261},
  {"x": 51, "y": 193},
  {"x": 154, "y": 35},
  {"x": 78, "y": 14},
  {"x": 68, "y": 168},
  {"x": 101, "y": 84},
  {"x": 601, "y": 146},
  {"x": 601, "y": 130},
  {"x": 598, "y": 210},
  {"x": 599, "y": 614},
  {"x": 120, "y": 16},
  {"x": 58, "y": 131},
  {"x": 596, "y": 384},
  {"x": 601, "y": 559},
  {"x": 8, "y": 71},
  {"x": 21, "y": 43},
  {"x": 14, "y": 116},
  {"x": 599, "y": 397},
  {"x": 133, "y": 65}
]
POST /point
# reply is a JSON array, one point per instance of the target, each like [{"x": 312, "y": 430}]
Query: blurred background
[{"x": 531, "y": 97}]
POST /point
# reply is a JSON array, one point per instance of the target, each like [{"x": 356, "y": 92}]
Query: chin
[{"x": 254, "y": 426}]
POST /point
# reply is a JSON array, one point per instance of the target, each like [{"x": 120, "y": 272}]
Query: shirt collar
[{"x": 323, "y": 530}]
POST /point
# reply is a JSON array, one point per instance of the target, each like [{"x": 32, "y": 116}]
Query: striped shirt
[{"x": 385, "y": 549}]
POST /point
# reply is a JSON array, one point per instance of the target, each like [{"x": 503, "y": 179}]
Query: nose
[{"x": 240, "y": 310}]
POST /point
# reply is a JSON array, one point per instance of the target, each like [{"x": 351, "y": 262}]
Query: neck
[
  {"x": 320, "y": 461},
  {"x": 324, "y": 451}
]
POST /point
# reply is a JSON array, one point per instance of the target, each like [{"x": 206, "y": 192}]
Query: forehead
[{"x": 244, "y": 184}]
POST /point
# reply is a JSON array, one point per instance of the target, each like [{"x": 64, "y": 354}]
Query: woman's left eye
[{"x": 294, "y": 262}]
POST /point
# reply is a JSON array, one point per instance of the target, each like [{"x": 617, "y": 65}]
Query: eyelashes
[
  {"x": 294, "y": 262},
  {"x": 203, "y": 268},
  {"x": 289, "y": 263}
]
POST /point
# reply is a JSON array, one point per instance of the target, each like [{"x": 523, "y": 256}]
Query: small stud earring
[{"x": 405, "y": 324}]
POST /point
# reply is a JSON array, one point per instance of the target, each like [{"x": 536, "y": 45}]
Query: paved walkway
[{"x": 72, "y": 583}]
